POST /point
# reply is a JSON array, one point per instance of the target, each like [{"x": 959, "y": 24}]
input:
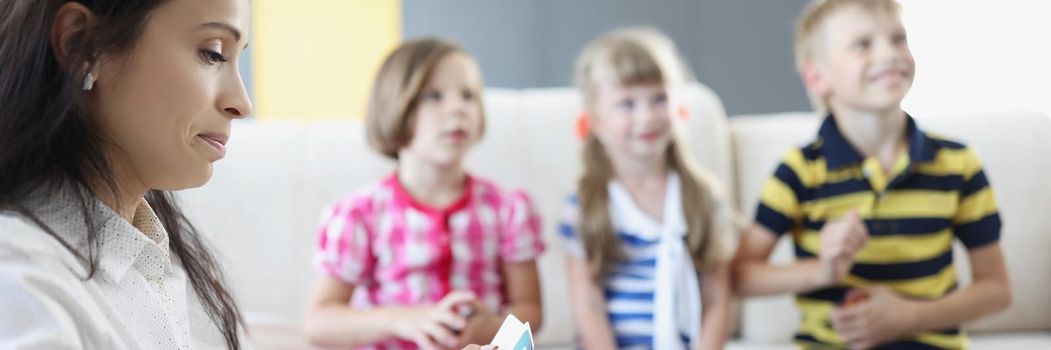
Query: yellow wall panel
[{"x": 315, "y": 59}]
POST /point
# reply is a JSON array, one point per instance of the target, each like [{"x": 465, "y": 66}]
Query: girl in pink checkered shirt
[{"x": 430, "y": 256}]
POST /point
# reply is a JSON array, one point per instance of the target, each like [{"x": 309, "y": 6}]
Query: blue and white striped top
[{"x": 630, "y": 287}]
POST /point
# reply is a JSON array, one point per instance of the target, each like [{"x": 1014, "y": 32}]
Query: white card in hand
[{"x": 514, "y": 335}]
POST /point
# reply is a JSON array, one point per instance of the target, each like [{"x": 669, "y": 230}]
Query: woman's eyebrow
[{"x": 226, "y": 27}]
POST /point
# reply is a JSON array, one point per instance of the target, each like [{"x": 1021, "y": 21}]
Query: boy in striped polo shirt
[{"x": 874, "y": 204}]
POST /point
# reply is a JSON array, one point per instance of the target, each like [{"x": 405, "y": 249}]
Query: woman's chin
[
  {"x": 201, "y": 177},
  {"x": 186, "y": 180}
]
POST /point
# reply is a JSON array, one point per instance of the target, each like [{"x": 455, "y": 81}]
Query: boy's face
[{"x": 862, "y": 61}]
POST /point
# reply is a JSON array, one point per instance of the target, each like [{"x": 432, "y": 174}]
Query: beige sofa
[{"x": 261, "y": 207}]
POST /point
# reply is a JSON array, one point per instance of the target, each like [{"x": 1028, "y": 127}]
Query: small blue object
[{"x": 524, "y": 343}]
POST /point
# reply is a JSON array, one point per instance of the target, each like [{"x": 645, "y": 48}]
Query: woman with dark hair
[{"x": 105, "y": 106}]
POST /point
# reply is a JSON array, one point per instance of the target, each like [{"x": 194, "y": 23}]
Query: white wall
[{"x": 976, "y": 56}]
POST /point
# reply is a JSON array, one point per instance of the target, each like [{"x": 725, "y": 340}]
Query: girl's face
[
  {"x": 633, "y": 121},
  {"x": 448, "y": 115},
  {"x": 165, "y": 106}
]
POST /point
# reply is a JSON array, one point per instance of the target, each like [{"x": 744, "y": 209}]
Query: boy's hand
[
  {"x": 434, "y": 327},
  {"x": 875, "y": 316},
  {"x": 840, "y": 240}
]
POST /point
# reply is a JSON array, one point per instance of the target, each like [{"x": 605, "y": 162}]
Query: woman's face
[{"x": 165, "y": 106}]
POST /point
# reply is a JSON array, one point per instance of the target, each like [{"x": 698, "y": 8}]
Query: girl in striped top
[{"x": 648, "y": 234}]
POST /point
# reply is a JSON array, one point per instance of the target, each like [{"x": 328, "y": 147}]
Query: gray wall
[{"x": 741, "y": 48}]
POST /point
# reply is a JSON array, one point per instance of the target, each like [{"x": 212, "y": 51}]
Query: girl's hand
[
  {"x": 482, "y": 324},
  {"x": 435, "y": 327}
]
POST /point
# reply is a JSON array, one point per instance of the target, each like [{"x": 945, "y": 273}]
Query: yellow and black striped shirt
[{"x": 935, "y": 192}]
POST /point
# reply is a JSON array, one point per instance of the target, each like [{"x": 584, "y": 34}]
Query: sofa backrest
[{"x": 261, "y": 207}]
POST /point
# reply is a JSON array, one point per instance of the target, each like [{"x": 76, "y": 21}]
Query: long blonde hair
[{"x": 635, "y": 56}]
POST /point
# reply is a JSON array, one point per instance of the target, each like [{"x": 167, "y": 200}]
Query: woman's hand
[{"x": 482, "y": 347}]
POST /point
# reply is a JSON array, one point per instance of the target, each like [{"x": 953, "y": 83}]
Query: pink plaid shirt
[{"x": 399, "y": 252}]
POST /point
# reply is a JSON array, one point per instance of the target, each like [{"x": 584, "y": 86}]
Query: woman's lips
[{"x": 217, "y": 141}]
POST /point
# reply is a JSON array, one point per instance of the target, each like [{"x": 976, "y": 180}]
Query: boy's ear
[{"x": 814, "y": 80}]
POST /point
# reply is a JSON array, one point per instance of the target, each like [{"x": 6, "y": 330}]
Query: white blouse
[{"x": 139, "y": 297}]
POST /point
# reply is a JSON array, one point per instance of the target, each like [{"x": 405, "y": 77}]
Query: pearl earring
[{"x": 89, "y": 81}]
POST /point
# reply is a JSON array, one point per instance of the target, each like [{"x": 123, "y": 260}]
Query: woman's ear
[{"x": 72, "y": 19}]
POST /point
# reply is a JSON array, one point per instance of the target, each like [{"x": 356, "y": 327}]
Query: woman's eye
[{"x": 212, "y": 57}]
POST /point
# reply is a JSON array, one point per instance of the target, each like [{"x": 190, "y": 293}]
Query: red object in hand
[{"x": 855, "y": 297}]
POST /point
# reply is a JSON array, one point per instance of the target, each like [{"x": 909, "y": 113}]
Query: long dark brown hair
[{"x": 48, "y": 141}]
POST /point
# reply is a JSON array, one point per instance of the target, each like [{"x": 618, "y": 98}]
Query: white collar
[
  {"x": 121, "y": 243},
  {"x": 628, "y": 218}
]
